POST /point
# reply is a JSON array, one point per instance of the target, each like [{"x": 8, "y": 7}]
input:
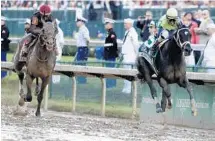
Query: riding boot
[
  {"x": 24, "y": 50},
  {"x": 24, "y": 53}
]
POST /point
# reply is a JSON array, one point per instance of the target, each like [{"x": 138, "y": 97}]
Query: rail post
[
  {"x": 46, "y": 98},
  {"x": 134, "y": 99},
  {"x": 74, "y": 92},
  {"x": 103, "y": 98}
]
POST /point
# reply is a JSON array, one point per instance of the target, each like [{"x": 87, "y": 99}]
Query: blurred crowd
[{"x": 60, "y": 4}]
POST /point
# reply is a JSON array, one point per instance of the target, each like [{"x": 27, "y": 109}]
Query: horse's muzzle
[
  {"x": 49, "y": 48},
  {"x": 187, "y": 50}
]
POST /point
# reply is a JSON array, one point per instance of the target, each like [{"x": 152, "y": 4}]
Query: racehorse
[
  {"x": 40, "y": 63},
  {"x": 171, "y": 68}
]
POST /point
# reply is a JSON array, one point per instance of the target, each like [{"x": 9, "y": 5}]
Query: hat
[
  {"x": 128, "y": 21},
  {"x": 82, "y": 19},
  {"x": 27, "y": 21},
  {"x": 211, "y": 26},
  {"x": 107, "y": 20},
  {"x": 152, "y": 23},
  {"x": 3, "y": 18},
  {"x": 57, "y": 21}
]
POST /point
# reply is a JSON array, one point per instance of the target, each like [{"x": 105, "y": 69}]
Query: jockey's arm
[{"x": 35, "y": 30}]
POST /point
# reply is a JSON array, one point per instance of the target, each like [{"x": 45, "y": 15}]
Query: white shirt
[
  {"x": 82, "y": 36},
  {"x": 59, "y": 42},
  {"x": 130, "y": 45},
  {"x": 209, "y": 54}
]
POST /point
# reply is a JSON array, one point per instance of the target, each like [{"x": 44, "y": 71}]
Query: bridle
[
  {"x": 42, "y": 43},
  {"x": 177, "y": 38}
]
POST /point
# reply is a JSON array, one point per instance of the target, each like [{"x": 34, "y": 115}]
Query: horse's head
[
  {"x": 47, "y": 36},
  {"x": 182, "y": 37}
]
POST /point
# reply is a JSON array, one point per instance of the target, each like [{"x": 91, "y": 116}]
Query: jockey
[
  {"x": 166, "y": 27},
  {"x": 151, "y": 40},
  {"x": 35, "y": 29}
]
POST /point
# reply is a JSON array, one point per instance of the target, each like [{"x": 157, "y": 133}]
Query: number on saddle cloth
[{"x": 143, "y": 48}]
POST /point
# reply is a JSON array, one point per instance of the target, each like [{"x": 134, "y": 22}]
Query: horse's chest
[{"x": 173, "y": 74}]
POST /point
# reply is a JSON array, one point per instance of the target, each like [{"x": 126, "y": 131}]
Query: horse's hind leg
[
  {"x": 29, "y": 81},
  {"x": 40, "y": 96},
  {"x": 166, "y": 90},
  {"x": 37, "y": 89},
  {"x": 154, "y": 94},
  {"x": 185, "y": 84}
]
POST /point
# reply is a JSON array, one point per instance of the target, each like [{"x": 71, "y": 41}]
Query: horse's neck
[
  {"x": 175, "y": 53},
  {"x": 41, "y": 53}
]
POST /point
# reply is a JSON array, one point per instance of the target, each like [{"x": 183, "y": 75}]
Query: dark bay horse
[
  {"x": 40, "y": 63},
  {"x": 170, "y": 63}
]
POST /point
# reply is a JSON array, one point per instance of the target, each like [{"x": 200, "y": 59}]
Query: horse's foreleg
[
  {"x": 21, "y": 91},
  {"x": 185, "y": 84},
  {"x": 166, "y": 90},
  {"x": 154, "y": 94},
  {"x": 40, "y": 96},
  {"x": 37, "y": 89},
  {"x": 29, "y": 81},
  {"x": 163, "y": 101}
]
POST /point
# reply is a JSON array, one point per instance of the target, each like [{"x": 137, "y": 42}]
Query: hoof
[
  {"x": 169, "y": 106},
  {"x": 28, "y": 99},
  {"x": 21, "y": 101},
  {"x": 37, "y": 114},
  {"x": 158, "y": 108},
  {"x": 194, "y": 113}
]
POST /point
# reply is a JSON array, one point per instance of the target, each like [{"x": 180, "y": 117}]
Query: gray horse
[{"x": 40, "y": 63}]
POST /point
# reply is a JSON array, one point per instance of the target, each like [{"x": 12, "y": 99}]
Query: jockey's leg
[
  {"x": 25, "y": 47},
  {"x": 164, "y": 35}
]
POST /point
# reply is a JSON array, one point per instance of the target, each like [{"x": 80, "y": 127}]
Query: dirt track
[{"x": 56, "y": 126}]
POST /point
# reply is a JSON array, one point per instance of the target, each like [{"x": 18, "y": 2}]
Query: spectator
[
  {"x": 27, "y": 26},
  {"x": 143, "y": 25},
  {"x": 192, "y": 25},
  {"x": 82, "y": 43},
  {"x": 59, "y": 40},
  {"x": 4, "y": 35},
  {"x": 110, "y": 48},
  {"x": 202, "y": 30},
  {"x": 115, "y": 7},
  {"x": 129, "y": 49},
  {"x": 196, "y": 18},
  {"x": 209, "y": 58},
  {"x": 4, "y": 43},
  {"x": 92, "y": 15}
]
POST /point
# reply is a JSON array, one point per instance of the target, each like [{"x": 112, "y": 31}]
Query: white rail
[{"x": 102, "y": 73}]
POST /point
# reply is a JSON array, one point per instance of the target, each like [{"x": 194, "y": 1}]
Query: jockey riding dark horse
[
  {"x": 169, "y": 61},
  {"x": 35, "y": 29}
]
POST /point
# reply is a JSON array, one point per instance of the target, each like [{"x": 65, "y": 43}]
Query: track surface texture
[{"x": 58, "y": 126}]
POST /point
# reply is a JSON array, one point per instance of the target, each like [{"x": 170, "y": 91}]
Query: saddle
[{"x": 144, "y": 52}]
